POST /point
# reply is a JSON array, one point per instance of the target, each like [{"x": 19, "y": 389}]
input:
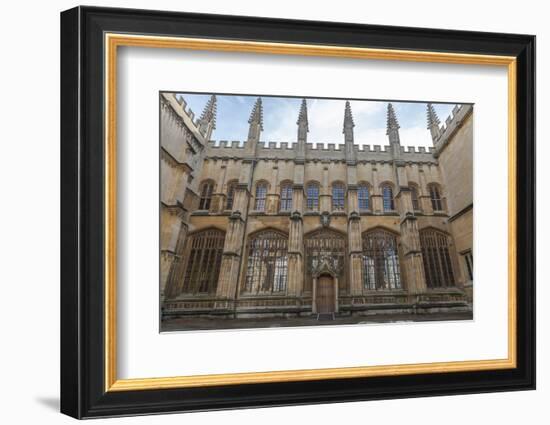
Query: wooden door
[{"x": 325, "y": 295}]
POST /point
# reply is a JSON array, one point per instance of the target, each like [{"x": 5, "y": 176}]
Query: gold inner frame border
[{"x": 113, "y": 40}]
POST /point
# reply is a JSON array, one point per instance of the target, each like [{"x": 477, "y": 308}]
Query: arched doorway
[
  {"x": 325, "y": 253},
  {"x": 325, "y": 294}
]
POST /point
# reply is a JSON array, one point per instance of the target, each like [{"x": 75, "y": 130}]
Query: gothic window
[
  {"x": 267, "y": 265},
  {"x": 204, "y": 257},
  {"x": 437, "y": 258},
  {"x": 387, "y": 198},
  {"x": 231, "y": 186},
  {"x": 380, "y": 261},
  {"x": 363, "y": 197},
  {"x": 312, "y": 193},
  {"x": 286, "y": 197},
  {"x": 414, "y": 197},
  {"x": 325, "y": 248},
  {"x": 435, "y": 196},
  {"x": 261, "y": 194},
  {"x": 338, "y": 196},
  {"x": 206, "y": 195}
]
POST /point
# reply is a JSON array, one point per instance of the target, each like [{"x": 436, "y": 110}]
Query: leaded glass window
[
  {"x": 267, "y": 264},
  {"x": 414, "y": 198},
  {"x": 387, "y": 198},
  {"x": 204, "y": 256},
  {"x": 338, "y": 196},
  {"x": 286, "y": 197},
  {"x": 437, "y": 258},
  {"x": 206, "y": 195},
  {"x": 261, "y": 194},
  {"x": 363, "y": 197},
  {"x": 435, "y": 196},
  {"x": 231, "y": 186},
  {"x": 312, "y": 193},
  {"x": 380, "y": 261}
]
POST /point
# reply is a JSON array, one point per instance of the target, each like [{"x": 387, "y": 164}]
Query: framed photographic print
[{"x": 261, "y": 212}]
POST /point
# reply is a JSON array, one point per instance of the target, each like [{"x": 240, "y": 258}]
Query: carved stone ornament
[
  {"x": 295, "y": 216},
  {"x": 325, "y": 219},
  {"x": 235, "y": 215},
  {"x": 324, "y": 263}
]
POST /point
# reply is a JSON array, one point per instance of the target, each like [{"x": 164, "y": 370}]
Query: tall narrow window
[
  {"x": 387, "y": 198},
  {"x": 435, "y": 196},
  {"x": 267, "y": 266},
  {"x": 380, "y": 261},
  {"x": 312, "y": 193},
  {"x": 286, "y": 197},
  {"x": 206, "y": 195},
  {"x": 230, "y": 195},
  {"x": 363, "y": 197},
  {"x": 261, "y": 193},
  {"x": 469, "y": 262},
  {"x": 204, "y": 257},
  {"x": 414, "y": 198},
  {"x": 437, "y": 258},
  {"x": 338, "y": 197}
]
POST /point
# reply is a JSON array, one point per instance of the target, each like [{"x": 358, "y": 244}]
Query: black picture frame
[{"x": 83, "y": 392}]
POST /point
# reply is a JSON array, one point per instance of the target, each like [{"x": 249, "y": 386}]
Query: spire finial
[
  {"x": 302, "y": 116},
  {"x": 207, "y": 121},
  {"x": 257, "y": 114},
  {"x": 433, "y": 122},
  {"x": 392, "y": 124},
  {"x": 433, "y": 119},
  {"x": 348, "y": 117},
  {"x": 209, "y": 112}
]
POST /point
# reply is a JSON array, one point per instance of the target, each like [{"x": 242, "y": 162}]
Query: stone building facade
[{"x": 266, "y": 230}]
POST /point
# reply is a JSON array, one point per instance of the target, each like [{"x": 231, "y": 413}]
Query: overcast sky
[{"x": 325, "y": 119}]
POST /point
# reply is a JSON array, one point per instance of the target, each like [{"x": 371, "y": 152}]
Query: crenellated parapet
[
  {"x": 177, "y": 107},
  {"x": 319, "y": 151},
  {"x": 453, "y": 122}
]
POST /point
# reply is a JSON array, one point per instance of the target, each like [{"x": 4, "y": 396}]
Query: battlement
[
  {"x": 317, "y": 151},
  {"x": 187, "y": 110},
  {"x": 452, "y": 124},
  {"x": 314, "y": 147},
  {"x": 185, "y": 114}
]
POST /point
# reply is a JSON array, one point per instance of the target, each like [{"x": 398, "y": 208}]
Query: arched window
[
  {"x": 363, "y": 197},
  {"x": 325, "y": 247},
  {"x": 338, "y": 196},
  {"x": 206, "y": 195},
  {"x": 312, "y": 193},
  {"x": 380, "y": 260},
  {"x": 286, "y": 196},
  {"x": 261, "y": 194},
  {"x": 231, "y": 186},
  {"x": 414, "y": 197},
  {"x": 437, "y": 258},
  {"x": 435, "y": 196},
  {"x": 204, "y": 257},
  {"x": 387, "y": 198},
  {"x": 267, "y": 265}
]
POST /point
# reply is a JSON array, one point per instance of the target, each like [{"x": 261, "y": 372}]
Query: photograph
[
  {"x": 279, "y": 211},
  {"x": 268, "y": 211}
]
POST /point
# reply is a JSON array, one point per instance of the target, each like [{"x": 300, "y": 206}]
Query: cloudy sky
[{"x": 325, "y": 119}]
